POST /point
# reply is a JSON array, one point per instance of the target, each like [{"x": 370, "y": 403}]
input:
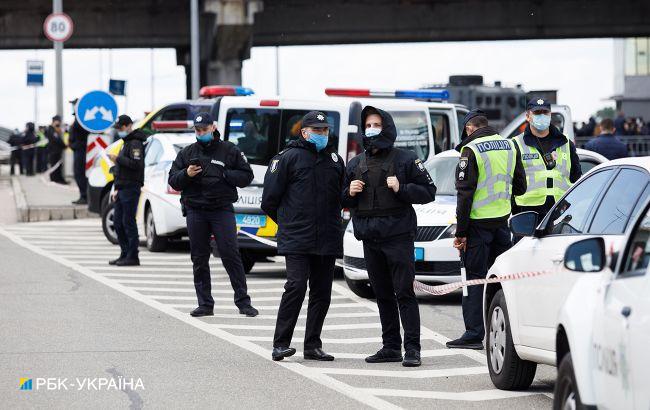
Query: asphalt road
[{"x": 67, "y": 314}]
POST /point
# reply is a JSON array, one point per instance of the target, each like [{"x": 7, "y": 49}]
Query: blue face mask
[
  {"x": 541, "y": 122},
  {"x": 122, "y": 134},
  {"x": 372, "y": 132},
  {"x": 320, "y": 141},
  {"x": 205, "y": 138}
]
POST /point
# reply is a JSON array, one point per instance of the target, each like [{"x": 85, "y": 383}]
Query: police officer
[
  {"x": 55, "y": 148},
  {"x": 302, "y": 192},
  {"x": 380, "y": 186},
  {"x": 208, "y": 173},
  {"x": 29, "y": 143},
  {"x": 489, "y": 172},
  {"x": 16, "y": 142},
  {"x": 129, "y": 178},
  {"x": 550, "y": 160},
  {"x": 77, "y": 142}
]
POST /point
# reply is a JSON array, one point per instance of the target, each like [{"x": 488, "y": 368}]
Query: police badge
[
  {"x": 335, "y": 157},
  {"x": 462, "y": 164},
  {"x": 274, "y": 165}
]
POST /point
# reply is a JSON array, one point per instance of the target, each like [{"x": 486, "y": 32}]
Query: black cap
[
  {"x": 472, "y": 114},
  {"x": 315, "y": 119},
  {"x": 203, "y": 119},
  {"x": 122, "y": 120},
  {"x": 56, "y": 118},
  {"x": 538, "y": 103}
]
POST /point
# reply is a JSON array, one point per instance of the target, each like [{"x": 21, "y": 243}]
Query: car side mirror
[
  {"x": 587, "y": 255},
  {"x": 524, "y": 224}
]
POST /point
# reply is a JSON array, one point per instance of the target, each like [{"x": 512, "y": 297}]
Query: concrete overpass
[{"x": 230, "y": 27}]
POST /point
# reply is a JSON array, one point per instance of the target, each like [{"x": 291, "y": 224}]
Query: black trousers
[
  {"x": 41, "y": 159},
  {"x": 483, "y": 247},
  {"x": 79, "y": 168},
  {"x": 318, "y": 271},
  {"x": 28, "y": 161},
  {"x": 391, "y": 269},
  {"x": 57, "y": 174},
  {"x": 16, "y": 158},
  {"x": 126, "y": 227},
  {"x": 220, "y": 223}
]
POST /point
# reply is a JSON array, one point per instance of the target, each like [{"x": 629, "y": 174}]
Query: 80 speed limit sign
[{"x": 58, "y": 27}]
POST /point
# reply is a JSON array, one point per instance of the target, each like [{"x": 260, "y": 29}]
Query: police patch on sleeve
[
  {"x": 461, "y": 176},
  {"x": 462, "y": 163},
  {"x": 274, "y": 165},
  {"x": 243, "y": 156},
  {"x": 420, "y": 165},
  {"x": 136, "y": 153},
  {"x": 335, "y": 157}
]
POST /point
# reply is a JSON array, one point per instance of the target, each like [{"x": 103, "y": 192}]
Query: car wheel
[
  {"x": 566, "y": 395},
  {"x": 507, "y": 370},
  {"x": 108, "y": 224},
  {"x": 155, "y": 243},
  {"x": 361, "y": 288}
]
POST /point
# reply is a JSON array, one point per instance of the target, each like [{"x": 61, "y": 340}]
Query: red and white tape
[{"x": 450, "y": 287}]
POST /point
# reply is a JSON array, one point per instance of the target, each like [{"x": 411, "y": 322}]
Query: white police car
[
  {"x": 436, "y": 261},
  {"x": 521, "y": 316},
  {"x": 604, "y": 326}
]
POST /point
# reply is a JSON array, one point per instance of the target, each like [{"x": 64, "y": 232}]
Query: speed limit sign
[{"x": 58, "y": 27}]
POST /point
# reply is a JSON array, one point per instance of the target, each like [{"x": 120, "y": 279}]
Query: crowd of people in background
[{"x": 623, "y": 126}]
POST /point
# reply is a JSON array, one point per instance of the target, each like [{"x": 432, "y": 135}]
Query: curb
[{"x": 25, "y": 213}]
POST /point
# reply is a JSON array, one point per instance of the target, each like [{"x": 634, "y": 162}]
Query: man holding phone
[{"x": 208, "y": 173}]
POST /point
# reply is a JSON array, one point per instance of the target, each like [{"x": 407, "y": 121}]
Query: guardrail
[{"x": 637, "y": 145}]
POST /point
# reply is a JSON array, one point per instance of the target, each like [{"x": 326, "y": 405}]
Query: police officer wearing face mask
[
  {"x": 489, "y": 172},
  {"x": 302, "y": 193},
  {"x": 208, "y": 173},
  {"x": 380, "y": 186},
  {"x": 550, "y": 160},
  {"x": 129, "y": 178}
]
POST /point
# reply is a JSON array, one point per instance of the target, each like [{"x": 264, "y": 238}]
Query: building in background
[{"x": 632, "y": 76}]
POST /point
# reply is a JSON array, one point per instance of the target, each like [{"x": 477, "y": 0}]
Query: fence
[{"x": 638, "y": 145}]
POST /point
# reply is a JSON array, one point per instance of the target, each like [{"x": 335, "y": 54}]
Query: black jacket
[
  {"x": 302, "y": 193},
  {"x": 29, "y": 138},
  {"x": 129, "y": 164},
  {"x": 55, "y": 145},
  {"x": 78, "y": 137},
  {"x": 467, "y": 179},
  {"x": 224, "y": 168},
  {"x": 550, "y": 143},
  {"x": 415, "y": 185}
]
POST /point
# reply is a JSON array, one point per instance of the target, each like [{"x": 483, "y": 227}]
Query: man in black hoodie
[
  {"x": 208, "y": 173},
  {"x": 129, "y": 178},
  {"x": 488, "y": 174},
  {"x": 380, "y": 186}
]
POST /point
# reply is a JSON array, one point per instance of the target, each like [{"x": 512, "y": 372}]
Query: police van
[{"x": 261, "y": 127}]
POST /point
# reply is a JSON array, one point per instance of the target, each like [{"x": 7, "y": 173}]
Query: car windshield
[{"x": 443, "y": 173}]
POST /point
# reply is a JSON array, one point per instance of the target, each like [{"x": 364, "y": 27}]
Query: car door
[
  {"x": 622, "y": 335},
  {"x": 538, "y": 300}
]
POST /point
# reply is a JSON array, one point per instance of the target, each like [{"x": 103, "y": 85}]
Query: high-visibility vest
[
  {"x": 537, "y": 174},
  {"x": 495, "y": 160}
]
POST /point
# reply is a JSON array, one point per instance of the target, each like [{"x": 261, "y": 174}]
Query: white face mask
[{"x": 372, "y": 132}]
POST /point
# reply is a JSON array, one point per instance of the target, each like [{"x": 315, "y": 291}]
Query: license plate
[
  {"x": 419, "y": 254},
  {"x": 251, "y": 221}
]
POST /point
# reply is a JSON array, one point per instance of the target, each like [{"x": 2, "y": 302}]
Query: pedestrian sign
[
  {"x": 35, "y": 73},
  {"x": 96, "y": 111}
]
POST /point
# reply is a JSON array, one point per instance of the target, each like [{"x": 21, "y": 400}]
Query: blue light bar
[
  {"x": 243, "y": 91},
  {"x": 423, "y": 94}
]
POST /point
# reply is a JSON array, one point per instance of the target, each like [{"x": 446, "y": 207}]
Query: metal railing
[{"x": 637, "y": 145}]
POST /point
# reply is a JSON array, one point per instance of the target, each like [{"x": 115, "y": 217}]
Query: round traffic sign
[
  {"x": 58, "y": 27},
  {"x": 96, "y": 111}
]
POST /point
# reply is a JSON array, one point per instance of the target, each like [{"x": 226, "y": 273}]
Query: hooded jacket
[
  {"x": 129, "y": 164},
  {"x": 415, "y": 184},
  {"x": 224, "y": 169},
  {"x": 302, "y": 193}
]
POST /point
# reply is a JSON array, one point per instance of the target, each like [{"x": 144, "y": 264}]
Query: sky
[{"x": 582, "y": 70}]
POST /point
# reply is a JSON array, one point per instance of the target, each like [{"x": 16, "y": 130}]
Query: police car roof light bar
[
  {"x": 224, "y": 90},
  {"x": 416, "y": 94}
]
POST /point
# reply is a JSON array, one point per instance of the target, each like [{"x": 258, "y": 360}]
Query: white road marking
[
  {"x": 411, "y": 374},
  {"x": 362, "y": 356},
  {"x": 351, "y": 326},
  {"x": 478, "y": 395},
  {"x": 191, "y": 290}
]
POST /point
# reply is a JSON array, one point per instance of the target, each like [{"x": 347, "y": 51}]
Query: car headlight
[{"x": 449, "y": 233}]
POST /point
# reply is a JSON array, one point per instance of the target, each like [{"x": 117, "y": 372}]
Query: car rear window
[{"x": 412, "y": 132}]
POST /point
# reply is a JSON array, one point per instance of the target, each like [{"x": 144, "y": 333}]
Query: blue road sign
[
  {"x": 116, "y": 87},
  {"x": 96, "y": 111},
  {"x": 35, "y": 73}
]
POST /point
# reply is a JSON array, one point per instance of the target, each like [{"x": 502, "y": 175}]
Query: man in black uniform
[
  {"x": 78, "y": 141},
  {"x": 380, "y": 186},
  {"x": 55, "y": 148},
  {"x": 482, "y": 219},
  {"x": 208, "y": 173},
  {"x": 16, "y": 141},
  {"x": 29, "y": 150},
  {"x": 129, "y": 178},
  {"x": 302, "y": 193}
]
